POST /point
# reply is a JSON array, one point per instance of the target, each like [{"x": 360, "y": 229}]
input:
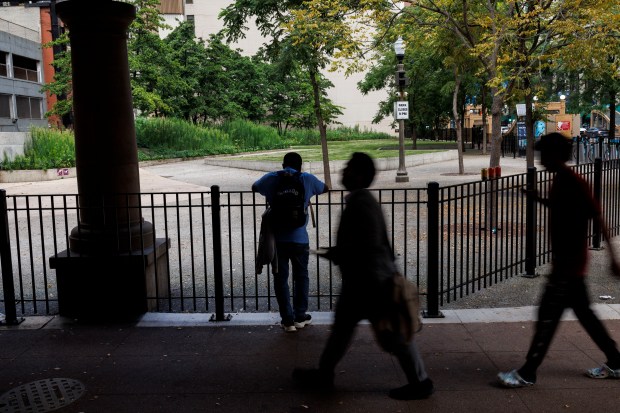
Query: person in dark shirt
[
  {"x": 571, "y": 207},
  {"x": 366, "y": 263}
]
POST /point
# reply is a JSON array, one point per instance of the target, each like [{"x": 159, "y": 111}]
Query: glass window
[
  {"x": 23, "y": 107},
  {"x": 189, "y": 1},
  {"x": 3, "y": 70},
  {"x": 28, "y": 108},
  {"x": 5, "y": 106},
  {"x": 35, "y": 108},
  {"x": 25, "y": 68}
]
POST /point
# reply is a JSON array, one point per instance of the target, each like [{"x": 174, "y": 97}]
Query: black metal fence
[{"x": 452, "y": 241}]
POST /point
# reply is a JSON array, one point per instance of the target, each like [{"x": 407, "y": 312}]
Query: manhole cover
[{"x": 41, "y": 396}]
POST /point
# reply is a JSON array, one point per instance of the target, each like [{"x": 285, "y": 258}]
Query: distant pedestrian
[
  {"x": 288, "y": 193},
  {"x": 366, "y": 262},
  {"x": 571, "y": 207}
]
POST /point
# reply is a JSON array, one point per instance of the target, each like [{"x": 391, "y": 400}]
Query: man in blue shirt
[{"x": 291, "y": 245}]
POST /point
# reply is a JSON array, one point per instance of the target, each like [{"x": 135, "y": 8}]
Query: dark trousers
[
  {"x": 561, "y": 293},
  {"x": 297, "y": 255},
  {"x": 350, "y": 310}
]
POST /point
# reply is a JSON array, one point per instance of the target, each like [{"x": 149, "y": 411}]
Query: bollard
[
  {"x": 498, "y": 171},
  {"x": 491, "y": 173},
  {"x": 484, "y": 174}
]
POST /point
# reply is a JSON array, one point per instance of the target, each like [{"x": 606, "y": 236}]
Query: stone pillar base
[{"x": 110, "y": 288}]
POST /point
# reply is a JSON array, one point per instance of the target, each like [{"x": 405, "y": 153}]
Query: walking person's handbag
[{"x": 399, "y": 317}]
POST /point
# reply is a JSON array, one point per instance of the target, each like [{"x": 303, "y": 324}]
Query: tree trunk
[
  {"x": 496, "y": 126},
  {"x": 457, "y": 120},
  {"x": 322, "y": 128},
  {"x": 529, "y": 125}
]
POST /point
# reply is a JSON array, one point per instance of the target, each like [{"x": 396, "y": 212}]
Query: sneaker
[
  {"x": 512, "y": 379},
  {"x": 603, "y": 372},
  {"x": 314, "y": 378},
  {"x": 307, "y": 319},
  {"x": 419, "y": 391},
  {"x": 288, "y": 327}
]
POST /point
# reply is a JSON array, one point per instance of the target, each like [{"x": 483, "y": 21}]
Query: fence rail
[{"x": 451, "y": 241}]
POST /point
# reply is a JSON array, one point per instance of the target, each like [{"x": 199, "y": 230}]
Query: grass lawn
[{"x": 380, "y": 148}]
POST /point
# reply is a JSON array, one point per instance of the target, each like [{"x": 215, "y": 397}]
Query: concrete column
[
  {"x": 105, "y": 142},
  {"x": 114, "y": 268}
]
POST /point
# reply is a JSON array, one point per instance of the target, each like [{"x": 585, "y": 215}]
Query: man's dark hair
[
  {"x": 292, "y": 160},
  {"x": 364, "y": 167},
  {"x": 555, "y": 143}
]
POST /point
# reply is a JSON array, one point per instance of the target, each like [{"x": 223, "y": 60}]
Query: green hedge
[
  {"x": 47, "y": 149},
  {"x": 162, "y": 138}
]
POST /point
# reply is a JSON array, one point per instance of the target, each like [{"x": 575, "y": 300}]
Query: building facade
[{"x": 22, "y": 103}]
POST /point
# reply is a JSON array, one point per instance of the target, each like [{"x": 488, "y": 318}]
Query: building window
[
  {"x": 3, "y": 66},
  {"x": 28, "y": 107},
  {"x": 190, "y": 20},
  {"x": 189, "y": 1},
  {"x": 25, "y": 68},
  {"x": 5, "y": 106}
]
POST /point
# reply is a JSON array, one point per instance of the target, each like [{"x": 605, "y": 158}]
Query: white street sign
[{"x": 401, "y": 110}]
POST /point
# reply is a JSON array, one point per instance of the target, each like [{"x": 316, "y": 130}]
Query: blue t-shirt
[{"x": 312, "y": 185}]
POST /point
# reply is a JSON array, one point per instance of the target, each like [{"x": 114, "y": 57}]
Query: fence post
[
  {"x": 530, "y": 223},
  {"x": 432, "y": 276},
  {"x": 7, "y": 266},
  {"x": 598, "y": 180},
  {"x": 217, "y": 255}
]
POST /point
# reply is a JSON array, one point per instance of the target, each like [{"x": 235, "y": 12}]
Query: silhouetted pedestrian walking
[
  {"x": 367, "y": 266},
  {"x": 571, "y": 207}
]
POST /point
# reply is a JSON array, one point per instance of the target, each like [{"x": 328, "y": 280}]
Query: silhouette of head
[
  {"x": 359, "y": 172},
  {"x": 292, "y": 160},
  {"x": 555, "y": 150}
]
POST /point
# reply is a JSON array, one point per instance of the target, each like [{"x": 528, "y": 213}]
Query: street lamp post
[{"x": 401, "y": 114}]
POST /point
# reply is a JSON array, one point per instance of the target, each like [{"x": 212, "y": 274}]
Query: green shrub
[
  {"x": 172, "y": 135},
  {"x": 249, "y": 136},
  {"x": 47, "y": 149},
  {"x": 163, "y": 138},
  {"x": 340, "y": 134}
]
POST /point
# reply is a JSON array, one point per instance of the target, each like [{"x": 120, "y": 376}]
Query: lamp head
[{"x": 399, "y": 48}]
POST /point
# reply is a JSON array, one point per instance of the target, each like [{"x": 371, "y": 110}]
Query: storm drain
[{"x": 41, "y": 396}]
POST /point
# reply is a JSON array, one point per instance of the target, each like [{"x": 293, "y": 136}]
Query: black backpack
[{"x": 288, "y": 203}]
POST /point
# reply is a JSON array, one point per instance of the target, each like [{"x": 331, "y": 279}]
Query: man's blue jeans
[{"x": 297, "y": 255}]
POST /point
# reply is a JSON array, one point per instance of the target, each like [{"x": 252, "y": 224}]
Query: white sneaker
[
  {"x": 301, "y": 324},
  {"x": 288, "y": 328}
]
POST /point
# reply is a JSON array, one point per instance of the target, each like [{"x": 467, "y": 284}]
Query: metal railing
[{"x": 451, "y": 241}]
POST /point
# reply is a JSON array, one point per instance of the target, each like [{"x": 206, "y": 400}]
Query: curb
[
  {"x": 314, "y": 167},
  {"x": 36, "y": 175}
]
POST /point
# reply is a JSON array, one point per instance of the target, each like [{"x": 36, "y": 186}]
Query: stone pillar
[
  {"x": 110, "y": 229},
  {"x": 105, "y": 142}
]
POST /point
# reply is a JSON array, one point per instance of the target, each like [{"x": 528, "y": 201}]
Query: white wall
[{"x": 24, "y": 21}]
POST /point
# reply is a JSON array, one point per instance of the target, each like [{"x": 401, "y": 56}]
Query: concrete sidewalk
[
  {"x": 184, "y": 363},
  {"x": 199, "y": 175}
]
